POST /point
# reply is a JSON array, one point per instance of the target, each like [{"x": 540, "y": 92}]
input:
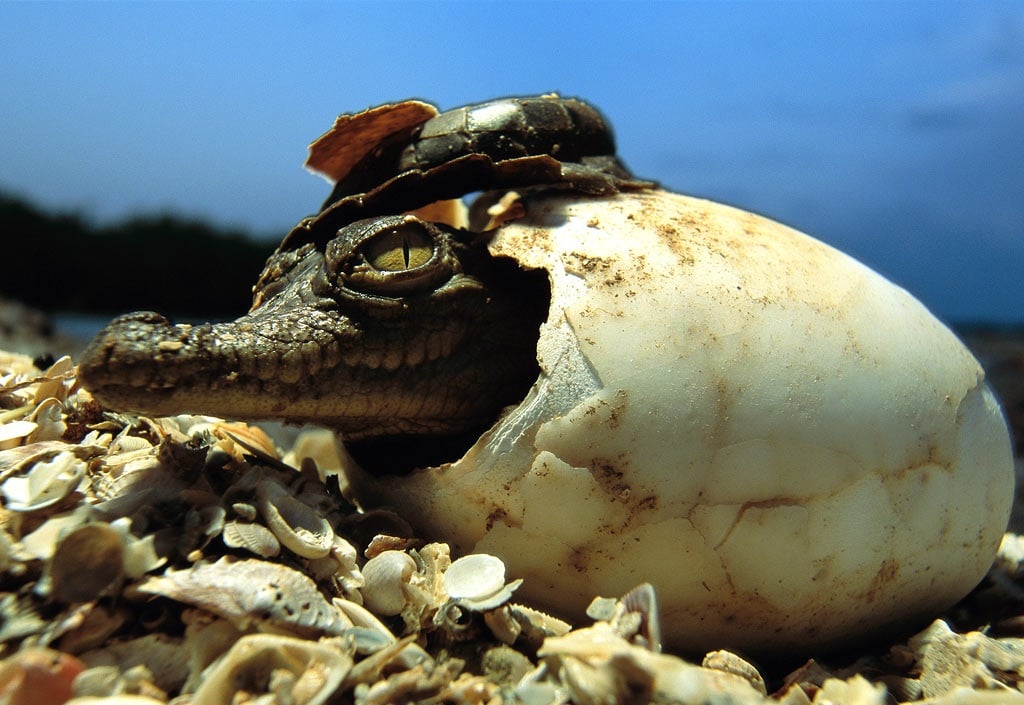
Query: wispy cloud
[
  {"x": 988, "y": 55},
  {"x": 987, "y": 100}
]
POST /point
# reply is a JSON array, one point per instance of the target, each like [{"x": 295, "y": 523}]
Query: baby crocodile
[
  {"x": 382, "y": 326},
  {"x": 399, "y": 327}
]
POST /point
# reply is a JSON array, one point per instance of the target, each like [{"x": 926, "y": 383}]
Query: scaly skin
[
  {"x": 411, "y": 348},
  {"x": 388, "y": 327}
]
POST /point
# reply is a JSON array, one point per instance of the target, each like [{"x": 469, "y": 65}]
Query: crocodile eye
[
  {"x": 398, "y": 249},
  {"x": 395, "y": 256}
]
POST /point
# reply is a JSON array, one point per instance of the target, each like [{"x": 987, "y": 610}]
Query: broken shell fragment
[
  {"x": 45, "y": 484},
  {"x": 288, "y": 669},
  {"x": 788, "y": 447},
  {"x": 88, "y": 563},
  {"x": 296, "y": 525},
  {"x": 162, "y": 657},
  {"x": 14, "y": 433},
  {"x": 597, "y": 665},
  {"x": 49, "y": 419}
]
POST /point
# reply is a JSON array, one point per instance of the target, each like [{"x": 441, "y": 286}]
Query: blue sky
[{"x": 894, "y": 131}]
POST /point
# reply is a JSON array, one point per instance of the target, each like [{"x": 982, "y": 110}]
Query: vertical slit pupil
[{"x": 405, "y": 251}]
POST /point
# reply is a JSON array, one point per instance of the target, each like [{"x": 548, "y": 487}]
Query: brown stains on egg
[
  {"x": 577, "y": 262},
  {"x": 610, "y": 478},
  {"x": 887, "y": 574}
]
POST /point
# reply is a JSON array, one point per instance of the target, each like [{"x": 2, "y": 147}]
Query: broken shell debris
[{"x": 158, "y": 570}]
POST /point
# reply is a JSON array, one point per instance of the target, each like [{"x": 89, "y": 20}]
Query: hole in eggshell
[{"x": 527, "y": 295}]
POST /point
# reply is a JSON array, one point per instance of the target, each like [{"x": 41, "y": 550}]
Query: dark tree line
[{"x": 182, "y": 268}]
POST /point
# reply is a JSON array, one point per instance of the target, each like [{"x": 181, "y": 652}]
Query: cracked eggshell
[{"x": 788, "y": 446}]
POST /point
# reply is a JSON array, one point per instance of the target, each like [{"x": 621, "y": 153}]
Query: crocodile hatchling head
[{"x": 368, "y": 319}]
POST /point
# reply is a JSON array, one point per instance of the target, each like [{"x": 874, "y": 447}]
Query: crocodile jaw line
[{"x": 144, "y": 363}]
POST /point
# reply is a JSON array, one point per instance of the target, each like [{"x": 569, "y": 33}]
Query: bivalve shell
[
  {"x": 477, "y": 582},
  {"x": 252, "y": 591},
  {"x": 386, "y": 576},
  {"x": 254, "y": 538},
  {"x": 297, "y": 526}
]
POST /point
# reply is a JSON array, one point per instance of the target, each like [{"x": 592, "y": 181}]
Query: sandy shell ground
[{"x": 193, "y": 560}]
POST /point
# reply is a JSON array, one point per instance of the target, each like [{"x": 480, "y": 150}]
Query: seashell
[
  {"x": 791, "y": 449},
  {"x": 949, "y": 662},
  {"x": 249, "y": 591},
  {"x": 254, "y": 538},
  {"x": 385, "y": 577},
  {"x": 37, "y": 675},
  {"x": 42, "y": 543},
  {"x": 162, "y": 656},
  {"x": 323, "y": 447},
  {"x": 45, "y": 484},
  {"x": 345, "y": 579},
  {"x": 143, "y": 481},
  {"x": 298, "y": 527},
  {"x": 191, "y": 425},
  {"x": 49, "y": 417},
  {"x": 474, "y": 577},
  {"x": 417, "y": 672},
  {"x": 14, "y": 459},
  {"x": 368, "y": 641},
  {"x": 88, "y": 564},
  {"x": 8, "y": 552},
  {"x": 207, "y": 638},
  {"x": 503, "y": 625},
  {"x": 202, "y": 524},
  {"x": 634, "y": 617},
  {"x": 731, "y": 663},
  {"x": 859, "y": 691},
  {"x": 98, "y": 682},
  {"x": 590, "y": 683},
  {"x": 597, "y": 665},
  {"x": 14, "y": 433},
  {"x": 119, "y": 461},
  {"x": 534, "y": 626},
  {"x": 120, "y": 699},
  {"x": 362, "y": 618},
  {"x": 245, "y": 510},
  {"x": 251, "y": 438},
  {"x": 536, "y": 692},
  {"x": 346, "y": 557},
  {"x": 127, "y": 444},
  {"x": 477, "y": 582},
  {"x": 20, "y": 619},
  {"x": 425, "y": 593},
  {"x": 55, "y": 381},
  {"x": 140, "y": 556},
  {"x": 368, "y": 635},
  {"x": 286, "y": 669},
  {"x": 364, "y": 527},
  {"x": 97, "y": 624},
  {"x": 383, "y": 542},
  {"x": 505, "y": 666}
]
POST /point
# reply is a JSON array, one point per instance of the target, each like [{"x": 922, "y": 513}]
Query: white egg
[{"x": 790, "y": 448}]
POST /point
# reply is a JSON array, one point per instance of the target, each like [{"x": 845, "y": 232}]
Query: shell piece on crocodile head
[{"x": 790, "y": 448}]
